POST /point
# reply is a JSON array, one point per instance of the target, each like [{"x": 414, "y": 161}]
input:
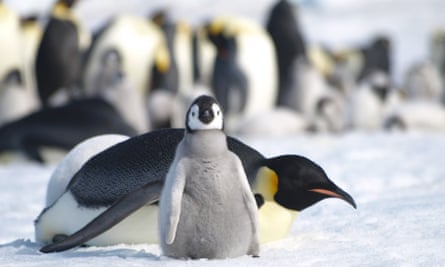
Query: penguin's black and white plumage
[
  {"x": 301, "y": 86},
  {"x": 229, "y": 82},
  {"x": 377, "y": 57},
  {"x": 17, "y": 94},
  {"x": 113, "y": 198},
  {"x": 140, "y": 44},
  {"x": 74, "y": 160},
  {"x": 59, "y": 56},
  {"x": 61, "y": 127},
  {"x": 371, "y": 102},
  {"x": 168, "y": 87},
  {"x": 248, "y": 60},
  {"x": 423, "y": 82},
  {"x": 112, "y": 85},
  {"x": 10, "y": 42},
  {"x": 207, "y": 209},
  {"x": 290, "y": 46}
]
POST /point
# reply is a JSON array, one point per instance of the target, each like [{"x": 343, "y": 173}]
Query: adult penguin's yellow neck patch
[
  {"x": 275, "y": 221},
  {"x": 62, "y": 11},
  {"x": 216, "y": 27},
  {"x": 266, "y": 183},
  {"x": 162, "y": 59}
]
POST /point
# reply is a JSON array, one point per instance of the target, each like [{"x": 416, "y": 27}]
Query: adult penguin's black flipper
[{"x": 146, "y": 195}]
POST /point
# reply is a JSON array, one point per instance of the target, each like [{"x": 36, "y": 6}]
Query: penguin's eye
[
  {"x": 217, "y": 113},
  {"x": 193, "y": 114}
]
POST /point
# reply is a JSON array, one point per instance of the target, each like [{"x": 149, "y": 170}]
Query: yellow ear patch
[
  {"x": 267, "y": 183},
  {"x": 61, "y": 11},
  {"x": 162, "y": 59},
  {"x": 275, "y": 221},
  {"x": 216, "y": 27}
]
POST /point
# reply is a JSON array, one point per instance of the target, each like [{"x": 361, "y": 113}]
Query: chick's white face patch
[{"x": 194, "y": 123}]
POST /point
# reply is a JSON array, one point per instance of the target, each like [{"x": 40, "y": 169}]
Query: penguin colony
[
  {"x": 61, "y": 84},
  {"x": 149, "y": 69}
]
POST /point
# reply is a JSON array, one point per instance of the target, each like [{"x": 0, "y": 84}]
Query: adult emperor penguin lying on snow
[{"x": 114, "y": 196}]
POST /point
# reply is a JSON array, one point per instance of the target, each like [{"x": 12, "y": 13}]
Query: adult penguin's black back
[
  {"x": 151, "y": 155},
  {"x": 282, "y": 26},
  {"x": 59, "y": 55},
  {"x": 62, "y": 127}
]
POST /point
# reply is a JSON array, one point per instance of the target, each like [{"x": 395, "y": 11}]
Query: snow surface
[{"x": 397, "y": 180}]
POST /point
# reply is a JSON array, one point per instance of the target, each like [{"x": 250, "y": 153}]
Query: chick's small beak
[{"x": 206, "y": 116}]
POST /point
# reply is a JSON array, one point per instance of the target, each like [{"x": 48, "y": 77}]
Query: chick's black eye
[{"x": 193, "y": 113}]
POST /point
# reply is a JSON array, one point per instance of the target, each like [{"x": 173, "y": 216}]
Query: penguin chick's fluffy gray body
[{"x": 203, "y": 205}]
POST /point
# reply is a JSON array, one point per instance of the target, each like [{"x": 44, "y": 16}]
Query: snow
[{"x": 397, "y": 180}]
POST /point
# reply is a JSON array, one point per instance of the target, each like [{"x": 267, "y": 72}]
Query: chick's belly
[{"x": 214, "y": 222}]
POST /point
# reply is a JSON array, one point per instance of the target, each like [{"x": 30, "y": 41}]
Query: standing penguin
[
  {"x": 229, "y": 82},
  {"x": 207, "y": 209},
  {"x": 377, "y": 57},
  {"x": 17, "y": 96},
  {"x": 247, "y": 60},
  {"x": 59, "y": 55},
  {"x": 141, "y": 46},
  {"x": 282, "y": 26}
]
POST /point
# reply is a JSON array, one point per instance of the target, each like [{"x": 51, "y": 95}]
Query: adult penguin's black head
[
  {"x": 204, "y": 114},
  {"x": 296, "y": 183}
]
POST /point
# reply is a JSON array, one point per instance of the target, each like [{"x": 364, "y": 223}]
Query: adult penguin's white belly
[
  {"x": 257, "y": 58},
  {"x": 16, "y": 95},
  {"x": 10, "y": 41}
]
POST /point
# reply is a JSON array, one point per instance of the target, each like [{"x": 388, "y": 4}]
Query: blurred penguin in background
[
  {"x": 169, "y": 86},
  {"x": 168, "y": 80},
  {"x": 423, "y": 82},
  {"x": 113, "y": 86},
  {"x": 422, "y": 108},
  {"x": 437, "y": 56},
  {"x": 371, "y": 102},
  {"x": 303, "y": 87},
  {"x": 229, "y": 82},
  {"x": 244, "y": 78},
  {"x": 17, "y": 95},
  {"x": 284, "y": 29},
  {"x": 59, "y": 56},
  {"x": 142, "y": 55},
  {"x": 140, "y": 44},
  {"x": 32, "y": 32},
  {"x": 377, "y": 57}
]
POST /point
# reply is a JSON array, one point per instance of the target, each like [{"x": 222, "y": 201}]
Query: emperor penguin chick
[{"x": 207, "y": 209}]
